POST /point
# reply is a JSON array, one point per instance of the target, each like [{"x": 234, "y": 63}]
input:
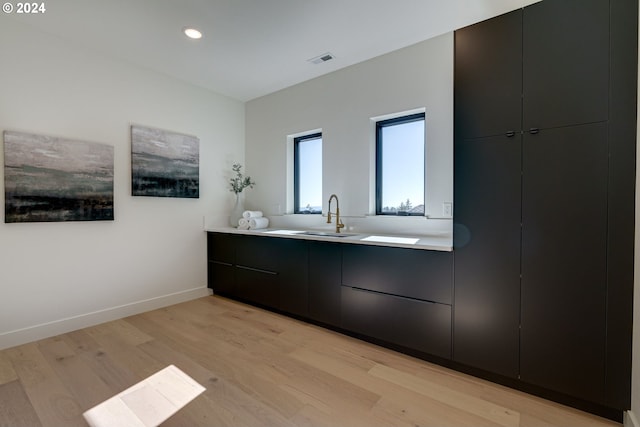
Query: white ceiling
[{"x": 252, "y": 48}]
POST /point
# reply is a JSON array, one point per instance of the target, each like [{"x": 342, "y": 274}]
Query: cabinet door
[
  {"x": 273, "y": 272},
  {"x": 257, "y": 270},
  {"x": 487, "y": 197},
  {"x": 413, "y": 273},
  {"x": 566, "y": 63},
  {"x": 257, "y": 286},
  {"x": 414, "y": 324},
  {"x": 488, "y": 77},
  {"x": 257, "y": 252},
  {"x": 622, "y": 179},
  {"x": 221, "y": 278},
  {"x": 292, "y": 258},
  {"x": 325, "y": 275},
  {"x": 221, "y": 253},
  {"x": 564, "y": 260},
  {"x": 221, "y": 247}
]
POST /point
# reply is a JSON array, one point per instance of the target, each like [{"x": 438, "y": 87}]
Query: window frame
[
  {"x": 296, "y": 171},
  {"x": 380, "y": 125}
]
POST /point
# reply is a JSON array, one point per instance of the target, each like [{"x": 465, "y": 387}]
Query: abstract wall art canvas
[
  {"x": 164, "y": 164},
  {"x": 50, "y": 179}
]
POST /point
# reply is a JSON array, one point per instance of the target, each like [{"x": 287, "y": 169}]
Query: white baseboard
[
  {"x": 57, "y": 327},
  {"x": 630, "y": 419}
]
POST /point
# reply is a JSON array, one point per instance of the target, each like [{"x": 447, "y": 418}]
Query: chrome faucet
[{"x": 339, "y": 223}]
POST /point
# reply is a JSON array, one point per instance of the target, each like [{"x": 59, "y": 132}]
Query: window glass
[
  {"x": 400, "y": 170},
  {"x": 308, "y": 174}
]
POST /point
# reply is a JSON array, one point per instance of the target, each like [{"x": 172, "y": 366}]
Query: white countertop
[{"x": 432, "y": 243}]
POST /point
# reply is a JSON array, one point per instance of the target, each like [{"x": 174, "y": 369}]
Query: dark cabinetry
[
  {"x": 221, "y": 255},
  {"x": 533, "y": 195},
  {"x": 565, "y": 63},
  {"x": 292, "y": 271},
  {"x": 487, "y": 193},
  {"x": 257, "y": 271},
  {"x": 411, "y": 323},
  {"x": 543, "y": 66},
  {"x": 418, "y": 274},
  {"x": 325, "y": 277},
  {"x": 266, "y": 271},
  {"x": 401, "y": 296},
  {"x": 564, "y": 253},
  {"x": 487, "y": 253},
  {"x": 488, "y": 78}
]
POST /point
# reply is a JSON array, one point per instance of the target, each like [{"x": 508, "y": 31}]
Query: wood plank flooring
[{"x": 259, "y": 369}]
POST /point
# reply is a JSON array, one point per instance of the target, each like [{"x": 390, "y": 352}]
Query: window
[
  {"x": 400, "y": 171},
  {"x": 307, "y": 181}
]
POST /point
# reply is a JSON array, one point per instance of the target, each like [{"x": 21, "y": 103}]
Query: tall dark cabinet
[
  {"x": 543, "y": 263},
  {"x": 565, "y": 63},
  {"x": 487, "y": 254},
  {"x": 487, "y": 153},
  {"x": 564, "y": 259}
]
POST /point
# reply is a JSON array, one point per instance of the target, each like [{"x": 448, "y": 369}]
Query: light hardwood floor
[{"x": 260, "y": 369}]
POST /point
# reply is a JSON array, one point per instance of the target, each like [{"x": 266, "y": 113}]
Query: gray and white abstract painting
[
  {"x": 164, "y": 164},
  {"x": 50, "y": 179}
]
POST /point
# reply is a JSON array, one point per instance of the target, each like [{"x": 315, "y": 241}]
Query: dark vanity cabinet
[
  {"x": 401, "y": 296},
  {"x": 325, "y": 278},
  {"x": 417, "y": 325},
  {"x": 411, "y": 273},
  {"x": 542, "y": 101},
  {"x": 292, "y": 275},
  {"x": 392, "y": 295},
  {"x": 262, "y": 270},
  {"x": 257, "y": 276},
  {"x": 221, "y": 256}
]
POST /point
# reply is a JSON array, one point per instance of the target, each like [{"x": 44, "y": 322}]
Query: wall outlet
[{"x": 447, "y": 209}]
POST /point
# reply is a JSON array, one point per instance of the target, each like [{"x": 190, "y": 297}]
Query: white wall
[
  {"x": 342, "y": 104},
  {"x": 60, "y": 276}
]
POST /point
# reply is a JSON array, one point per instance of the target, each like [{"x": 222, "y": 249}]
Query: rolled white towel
[
  {"x": 251, "y": 214},
  {"x": 243, "y": 224},
  {"x": 257, "y": 223}
]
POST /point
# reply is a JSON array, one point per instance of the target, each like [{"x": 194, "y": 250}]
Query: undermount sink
[
  {"x": 309, "y": 233},
  {"x": 391, "y": 239},
  {"x": 326, "y": 234},
  {"x": 283, "y": 232}
]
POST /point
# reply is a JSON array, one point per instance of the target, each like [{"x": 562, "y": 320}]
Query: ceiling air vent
[{"x": 322, "y": 58}]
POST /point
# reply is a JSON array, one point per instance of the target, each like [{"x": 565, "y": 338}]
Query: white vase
[{"x": 236, "y": 212}]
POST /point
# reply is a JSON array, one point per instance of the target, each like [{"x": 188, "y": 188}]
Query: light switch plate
[{"x": 447, "y": 209}]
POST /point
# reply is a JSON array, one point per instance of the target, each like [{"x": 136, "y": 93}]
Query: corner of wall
[{"x": 630, "y": 419}]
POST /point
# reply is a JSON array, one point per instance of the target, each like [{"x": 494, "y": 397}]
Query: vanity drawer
[
  {"x": 413, "y": 273},
  {"x": 418, "y": 325}
]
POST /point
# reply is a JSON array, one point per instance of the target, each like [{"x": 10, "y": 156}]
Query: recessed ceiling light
[{"x": 192, "y": 33}]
